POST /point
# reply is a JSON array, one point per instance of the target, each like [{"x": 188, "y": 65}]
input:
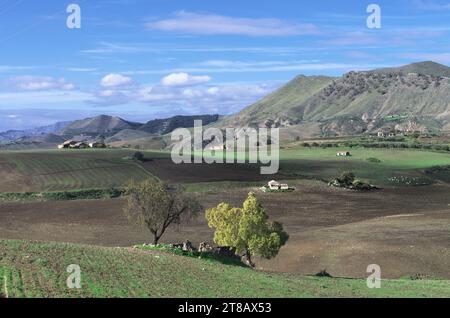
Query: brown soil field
[
  {"x": 404, "y": 230},
  {"x": 170, "y": 172}
]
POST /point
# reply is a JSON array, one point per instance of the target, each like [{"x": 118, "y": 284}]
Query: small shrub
[
  {"x": 347, "y": 180},
  {"x": 323, "y": 273},
  {"x": 374, "y": 160},
  {"x": 420, "y": 276},
  {"x": 139, "y": 156},
  {"x": 87, "y": 194}
]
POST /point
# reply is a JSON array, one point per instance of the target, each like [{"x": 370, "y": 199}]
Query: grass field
[
  {"x": 69, "y": 170},
  {"x": 393, "y": 167},
  {"x": 39, "y": 270},
  {"x": 88, "y": 169},
  {"x": 394, "y": 158}
]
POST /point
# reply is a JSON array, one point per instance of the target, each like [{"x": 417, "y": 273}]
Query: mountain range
[
  {"x": 414, "y": 97},
  {"x": 111, "y": 128},
  {"x": 11, "y": 135}
]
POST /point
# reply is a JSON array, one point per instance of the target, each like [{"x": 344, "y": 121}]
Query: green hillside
[
  {"x": 277, "y": 104},
  {"x": 39, "y": 270},
  {"x": 376, "y": 95},
  {"x": 167, "y": 125},
  {"x": 55, "y": 170},
  {"x": 127, "y": 134},
  {"x": 417, "y": 95},
  {"x": 98, "y": 125}
]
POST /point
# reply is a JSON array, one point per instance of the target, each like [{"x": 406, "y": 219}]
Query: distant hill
[
  {"x": 113, "y": 130},
  {"x": 127, "y": 134},
  {"x": 423, "y": 68},
  {"x": 102, "y": 124},
  {"x": 165, "y": 126},
  {"x": 12, "y": 135},
  {"x": 412, "y": 97},
  {"x": 43, "y": 141},
  {"x": 50, "y": 129},
  {"x": 120, "y": 129},
  {"x": 43, "y": 138}
]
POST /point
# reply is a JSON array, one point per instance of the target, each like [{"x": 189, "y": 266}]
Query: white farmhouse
[{"x": 274, "y": 185}]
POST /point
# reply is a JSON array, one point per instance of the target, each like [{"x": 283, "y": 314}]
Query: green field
[
  {"x": 39, "y": 270},
  {"x": 99, "y": 169},
  {"x": 81, "y": 169},
  {"x": 395, "y": 167},
  {"x": 390, "y": 158}
]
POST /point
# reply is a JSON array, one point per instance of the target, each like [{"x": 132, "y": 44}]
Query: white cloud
[
  {"x": 213, "y": 24},
  {"x": 184, "y": 79},
  {"x": 10, "y": 68},
  {"x": 115, "y": 80},
  {"x": 80, "y": 69},
  {"x": 35, "y": 99},
  {"x": 38, "y": 83},
  {"x": 150, "y": 94},
  {"x": 389, "y": 37},
  {"x": 431, "y": 5},
  {"x": 225, "y": 66},
  {"x": 174, "y": 92},
  {"x": 128, "y": 48}
]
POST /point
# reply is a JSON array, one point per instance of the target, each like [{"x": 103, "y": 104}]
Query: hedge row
[
  {"x": 380, "y": 145},
  {"x": 87, "y": 194}
]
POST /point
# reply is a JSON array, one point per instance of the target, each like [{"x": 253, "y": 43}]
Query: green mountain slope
[
  {"x": 373, "y": 97},
  {"x": 39, "y": 270},
  {"x": 412, "y": 97},
  {"x": 127, "y": 134},
  {"x": 98, "y": 125},
  {"x": 167, "y": 125},
  {"x": 275, "y": 106}
]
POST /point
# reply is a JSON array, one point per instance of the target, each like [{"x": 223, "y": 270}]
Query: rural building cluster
[
  {"x": 343, "y": 154},
  {"x": 72, "y": 144},
  {"x": 275, "y": 185}
]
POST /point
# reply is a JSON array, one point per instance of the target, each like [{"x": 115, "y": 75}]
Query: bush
[
  {"x": 88, "y": 194},
  {"x": 209, "y": 256},
  {"x": 347, "y": 180},
  {"x": 139, "y": 156},
  {"x": 374, "y": 160},
  {"x": 324, "y": 273}
]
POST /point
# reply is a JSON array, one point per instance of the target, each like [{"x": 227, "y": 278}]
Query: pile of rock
[{"x": 187, "y": 246}]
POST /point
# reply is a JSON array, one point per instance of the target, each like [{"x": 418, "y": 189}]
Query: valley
[{"x": 402, "y": 226}]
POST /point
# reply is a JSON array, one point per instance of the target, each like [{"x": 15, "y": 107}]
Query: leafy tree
[
  {"x": 157, "y": 206},
  {"x": 247, "y": 229},
  {"x": 138, "y": 156}
]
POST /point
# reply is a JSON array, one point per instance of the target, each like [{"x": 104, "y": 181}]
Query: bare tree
[{"x": 157, "y": 206}]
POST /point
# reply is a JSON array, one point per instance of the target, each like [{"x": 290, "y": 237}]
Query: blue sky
[{"x": 144, "y": 59}]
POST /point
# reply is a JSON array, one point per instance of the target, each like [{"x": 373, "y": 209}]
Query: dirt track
[{"x": 405, "y": 230}]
